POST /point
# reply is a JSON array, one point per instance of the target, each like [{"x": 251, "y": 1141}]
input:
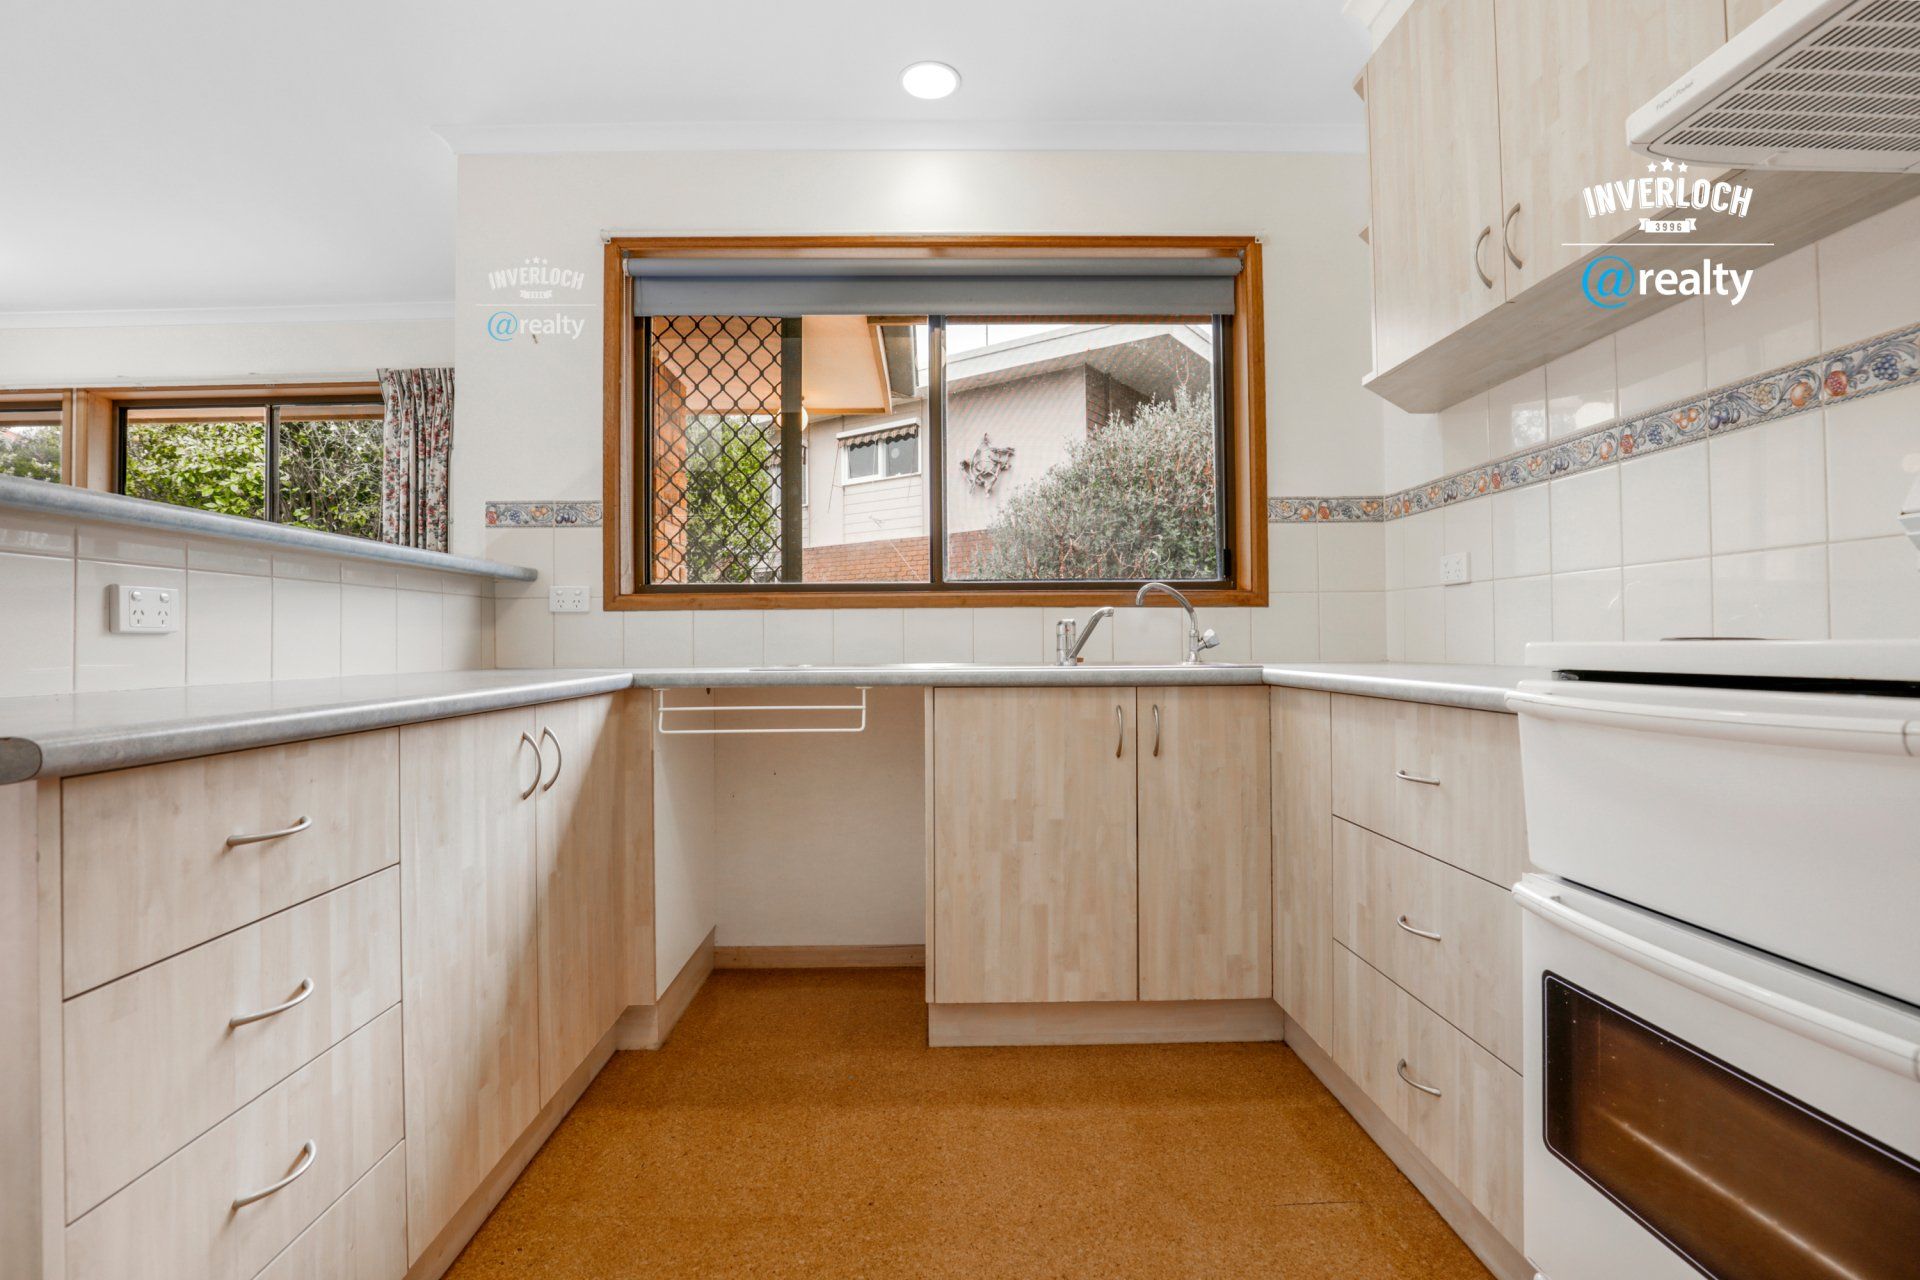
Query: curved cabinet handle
[
  {"x": 241, "y": 1020},
  {"x": 1156, "y": 731},
  {"x": 1404, "y": 776},
  {"x": 1418, "y": 933},
  {"x": 1401, "y": 1071},
  {"x": 539, "y": 766},
  {"x": 559, "y": 757},
  {"x": 299, "y": 824},
  {"x": 307, "y": 1153},
  {"x": 1120, "y": 732},
  {"x": 1506, "y": 236},
  {"x": 1479, "y": 268}
]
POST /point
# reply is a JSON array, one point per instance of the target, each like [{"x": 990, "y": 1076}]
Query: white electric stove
[{"x": 1721, "y": 945}]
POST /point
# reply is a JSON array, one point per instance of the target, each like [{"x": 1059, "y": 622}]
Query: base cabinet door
[
  {"x": 469, "y": 954},
  {"x": 1303, "y": 859},
  {"x": 1034, "y": 845},
  {"x": 1206, "y": 859}
]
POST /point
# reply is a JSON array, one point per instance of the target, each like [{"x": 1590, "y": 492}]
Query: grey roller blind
[{"x": 951, "y": 286}]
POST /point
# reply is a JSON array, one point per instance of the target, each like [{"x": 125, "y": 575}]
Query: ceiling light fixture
[{"x": 929, "y": 79}]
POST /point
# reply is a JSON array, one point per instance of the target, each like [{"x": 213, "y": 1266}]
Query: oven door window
[{"x": 1740, "y": 1180}]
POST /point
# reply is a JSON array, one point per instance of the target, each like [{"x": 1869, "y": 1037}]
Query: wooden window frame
[{"x": 623, "y": 455}]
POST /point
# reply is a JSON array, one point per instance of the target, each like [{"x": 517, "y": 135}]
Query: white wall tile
[
  {"x": 366, "y": 573},
  {"x": 1099, "y": 646},
  {"x": 131, "y": 546},
  {"x": 1779, "y": 595},
  {"x": 1393, "y": 537},
  {"x": 728, "y": 638},
  {"x": 946, "y": 635},
  {"x": 36, "y": 626},
  {"x": 1233, "y": 628},
  {"x": 1352, "y": 557},
  {"x": 1425, "y": 542},
  {"x": 595, "y": 638},
  {"x": 1516, "y": 415},
  {"x": 1293, "y": 553},
  {"x": 658, "y": 638},
  {"x": 420, "y": 625},
  {"x": 796, "y": 637},
  {"x": 576, "y": 558},
  {"x": 1583, "y": 391},
  {"x": 1522, "y": 614},
  {"x": 1869, "y": 276},
  {"x": 1586, "y": 520},
  {"x": 219, "y": 555},
  {"x": 1397, "y": 625},
  {"x": 1776, "y": 323},
  {"x": 1662, "y": 358},
  {"x": 1522, "y": 532},
  {"x": 1873, "y": 463},
  {"x": 1469, "y": 621},
  {"x": 1769, "y": 485},
  {"x": 229, "y": 628},
  {"x": 868, "y": 636},
  {"x": 29, "y": 533},
  {"x": 529, "y": 548},
  {"x": 1353, "y": 626},
  {"x": 1288, "y": 629},
  {"x": 1157, "y": 633},
  {"x": 466, "y": 632},
  {"x": 522, "y": 633},
  {"x": 1463, "y": 434},
  {"x": 1010, "y": 636},
  {"x": 309, "y": 568},
  {"x": 1411, "y": 445},
  {"x": 1467, "y": 527},
  {"x": 306, "y": 629},
  {"x": 1587, "y": 605},
  {"x": 1875, "y": 585},
  {"x": 1672, "y": 598},
  {"x": 1424, "y": 617},
  {"x": 1663, "y": 506},
  {"x": 369, "y": 631},
  {"x": 106, "y": 661}
]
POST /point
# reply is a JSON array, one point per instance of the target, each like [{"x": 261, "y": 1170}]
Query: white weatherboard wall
[{"x": 1785, "y": 530}]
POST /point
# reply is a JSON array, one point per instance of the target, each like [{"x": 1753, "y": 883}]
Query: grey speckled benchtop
[
  {"x": 90, "y": 732},
  {"x": 113, "y": 508}
]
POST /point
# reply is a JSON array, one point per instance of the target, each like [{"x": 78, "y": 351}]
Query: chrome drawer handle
[
  {"x": 300, "y": 824},
  {"x": 539, "y": 767},
  {"x": 559, "y": 757},
  {"x": 306, "y": 989},
  {"x": 1401, "y": 1071},
  {"x": 1418, "y": 933},
  {"x": 1120, "y": 726},
  {"x": 1486, "y": 234},
  {"x": 1404, "y": 776},
  {"x": 1156, "y": 730},
  {"x": 307, "y": 1153}
]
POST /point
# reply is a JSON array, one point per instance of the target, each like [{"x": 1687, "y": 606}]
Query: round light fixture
[{"x": 929, "y": 79}]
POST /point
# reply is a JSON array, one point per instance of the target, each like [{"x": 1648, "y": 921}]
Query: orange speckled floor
[{"x": 797, "y": 1124}]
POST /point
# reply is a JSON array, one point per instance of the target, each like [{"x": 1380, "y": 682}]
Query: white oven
[{"x": 1721, "y": 949}]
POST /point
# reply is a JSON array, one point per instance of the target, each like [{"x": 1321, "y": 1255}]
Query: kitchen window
[
  {"x": 1001, "y": 422},
  {"x": 30, "y": 438}
]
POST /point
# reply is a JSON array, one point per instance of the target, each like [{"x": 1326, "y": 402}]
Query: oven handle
[
  {"x": 1879, "y": 735},
  {"x": 1869, "y": 1045}
]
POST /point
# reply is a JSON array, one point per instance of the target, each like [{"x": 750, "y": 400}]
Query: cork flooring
[{"x": 796, "y": 1124}]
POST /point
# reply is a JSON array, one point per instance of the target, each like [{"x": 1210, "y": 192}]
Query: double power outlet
[{"x": 143, "y": 610}]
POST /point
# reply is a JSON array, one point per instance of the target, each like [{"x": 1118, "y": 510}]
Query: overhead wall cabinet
[{"x": 1487, "y": 120}]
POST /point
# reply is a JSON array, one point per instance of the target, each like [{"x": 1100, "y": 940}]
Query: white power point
[
  {"x": 566, "y": 600},
  {"x": 1454, "y": 568},
  {"x": 143, "y": 610}
]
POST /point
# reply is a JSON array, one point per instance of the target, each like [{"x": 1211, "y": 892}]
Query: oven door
[{"x": 1695, "y": 1107}]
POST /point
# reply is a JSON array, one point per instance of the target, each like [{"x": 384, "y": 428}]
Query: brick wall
[{"x": 889, "y": 559}]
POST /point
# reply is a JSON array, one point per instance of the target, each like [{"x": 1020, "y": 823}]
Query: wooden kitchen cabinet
[
  {"x": 1303, "y": 858},
  {"x": 1570, "y": 72},
  {"x": 1205, "y": 857},
  {"x": 1433, "y": 139},
  {"x": 469, "y": 953},
  {"x": 1034, "y": 838}
]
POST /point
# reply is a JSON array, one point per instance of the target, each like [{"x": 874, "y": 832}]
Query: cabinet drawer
[
  {"x": 363, "y": 1237},
  {"x": 1469, "y": 1124},
  {"x": 1387, "y": 898},
  {"x": 147, "y": 867},
  {"x": 1444, "y": 780},
  {"x": 342, "y": 949},
  {"x": 179, "y": 1221}
]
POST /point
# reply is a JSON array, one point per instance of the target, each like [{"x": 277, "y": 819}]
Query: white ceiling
[{"x": 214, "y": 156}]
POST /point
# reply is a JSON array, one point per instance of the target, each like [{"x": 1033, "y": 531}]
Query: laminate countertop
[{"x": 67, "y": 734}]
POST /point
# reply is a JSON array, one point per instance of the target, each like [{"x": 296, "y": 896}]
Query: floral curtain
[{"x": 416, "y": 443}]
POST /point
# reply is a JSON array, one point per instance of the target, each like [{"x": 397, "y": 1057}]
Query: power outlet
[
  {"x": 143, "y": 610},
  {"x": 567, "y": 600},
  {"x": 1455, "y": 569}
]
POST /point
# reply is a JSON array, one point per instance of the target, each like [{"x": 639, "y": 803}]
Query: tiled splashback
[{"x": 250, "y": 614}]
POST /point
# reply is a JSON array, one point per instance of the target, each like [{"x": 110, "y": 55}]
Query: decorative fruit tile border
[
  {"x": 552, "y": 514},
  {"x": 1847, "y": 373}
]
